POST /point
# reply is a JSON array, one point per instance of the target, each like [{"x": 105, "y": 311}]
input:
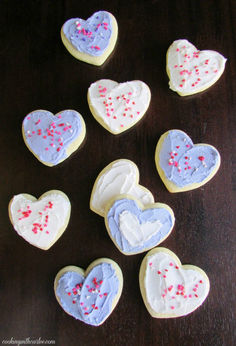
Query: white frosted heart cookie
[
  {"x": 135, "y": 228},
  {"x": 170, "y": 289},
  {"x": 118, "y": 106},
  {"x": 91, "y": 40},
  {"x": 53, "y": 138},
  {"x": 119, "y": 177},
  {"x": 182, "y": 165},
  {"x": 40, "y": 222},
  {"x": 191, "y": 71},
  {"x": 91, "y": 295}
]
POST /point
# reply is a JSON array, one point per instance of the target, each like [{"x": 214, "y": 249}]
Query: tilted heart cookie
[
  {"x": 134, "y": 228},
  {"x": 40, "y": 222},
  {"x": 118, "y": 106},
  {"x": 89, "y": 296},
  {"x": 119, "y": 177},
  {"x": 182, "y": 165},
  {"x": 170, "y": 289},
  {"x": 190, "y": 70},
  {"x": 91, "y": 40},
  {"x": 53, "y": 138}
]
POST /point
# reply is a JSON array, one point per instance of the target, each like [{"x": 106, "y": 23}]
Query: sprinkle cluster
[
  {"x": 43, "y": 217},
  {"x": 176, "y": 289},
  {"x": 95, "y": 288},
  {"x": 119, "y": 107},
  {"x": 196, "y": 73},
  {"x": 173, "y": 156},
  {"x": 92, "y": 35},
  {"x": 54, "y": 132}
]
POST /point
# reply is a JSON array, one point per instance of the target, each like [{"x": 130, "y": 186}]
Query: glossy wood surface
[{"x": 38, "y": 73}]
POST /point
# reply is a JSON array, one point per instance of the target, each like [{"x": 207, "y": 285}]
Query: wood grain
[{"x": 38, "y": 72}]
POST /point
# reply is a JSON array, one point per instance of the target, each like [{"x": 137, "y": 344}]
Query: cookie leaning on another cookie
[
  {"x": 182, "y": 165},
  {"x": 91, "y": 40},
  {"x": 119, "y": 177},
  {"x": 134, "y": 228},
  {"x": 170, "y": 289},
  {"x": 40, "y": 222},
  {"x": 89, "y": 296}
]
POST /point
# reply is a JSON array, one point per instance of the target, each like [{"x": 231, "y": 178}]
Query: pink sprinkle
[
  {"x": 171, "y": 264},
  {"x": 177, "y": 50},
  {"x": 187, "y": 145},
  {"x": 37, "y": 122},
  {"x": 172, "y": 307},
  {"x": 201, "y": 158}
]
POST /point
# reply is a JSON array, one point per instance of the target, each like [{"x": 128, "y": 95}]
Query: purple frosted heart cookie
[
  {"x": 134, "y": 228},
  {"x": 89, "y": 296},
  {"x": 53, "y": 138},
  {"x": 182, "y": 165},
  {"x": 90, "y": 40}
]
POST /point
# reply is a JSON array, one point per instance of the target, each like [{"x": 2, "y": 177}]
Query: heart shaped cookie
[
  {"x": 53, "y": 138},
  {"x": 191, "y": 71},
  {"x": 118, "y": 106},
  {"x": 182, "y": 165},
  {"x": 89, "y": 296},
  {"x": 91, "y": 40},
  {"x": 40, "y": 222},
  {"x": 119, "y": 177},
  {"x": 134, "y": 228},
  {"x": 170, "y": 289}
]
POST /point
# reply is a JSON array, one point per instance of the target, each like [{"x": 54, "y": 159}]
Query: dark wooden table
[{"x": 38, "y": 73}]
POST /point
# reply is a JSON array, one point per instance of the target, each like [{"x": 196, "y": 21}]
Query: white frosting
[
  {"x": 171, "y": 289},
  {"x": 190, "y": 70},
  {"x": 40, "y": 221},
  {"x": 134, "y": 232},
  {"x": 120, "y": 178},
  {"x": 119, "y": 106}
]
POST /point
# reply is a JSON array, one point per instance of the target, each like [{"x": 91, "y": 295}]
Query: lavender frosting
[
  {"x": 89, "y": 36},
  {"x": 89, "y": 299},
  {"x": 185, "y": 163},
  {"x": 49, "y": 136},
  {"x": 143, "y": 216}
]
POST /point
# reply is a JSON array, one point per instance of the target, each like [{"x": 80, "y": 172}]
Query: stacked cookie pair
[{"x": 135, "y": 224}]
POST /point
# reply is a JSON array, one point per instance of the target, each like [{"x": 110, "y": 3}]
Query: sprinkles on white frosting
[
  {"x": 170, "y": 289},
  {"x": 40, "y": 222},
  {"x": 191, "y": 70},
  {"x": 117, "y": 107}
]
